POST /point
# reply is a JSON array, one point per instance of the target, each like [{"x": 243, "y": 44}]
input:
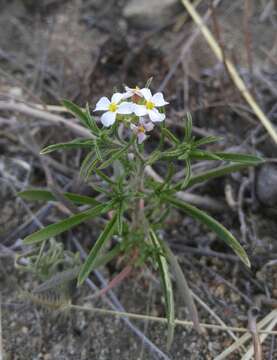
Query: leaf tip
[
  {"x": 44, "y": 151},
  {"x": 80, "y": 279}
]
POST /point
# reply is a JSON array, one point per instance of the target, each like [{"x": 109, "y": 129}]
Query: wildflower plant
[{"x": 134, "y": 204}]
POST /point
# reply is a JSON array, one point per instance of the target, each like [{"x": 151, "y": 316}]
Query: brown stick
[
  {"x": 115, "y": 281},
  {"x": 252, "y": 326},
  {"x": 43, "y": 115}
]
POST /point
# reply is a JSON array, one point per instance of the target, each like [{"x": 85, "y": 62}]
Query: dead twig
[
  {"x": 243, "y": 225},
  {"x": 164, "y": 320},
  {"x": 272, "y": 316},
  {"x": 252, "y": 326},
  {"x": 43, "y": 115},
  {"x": 231, "y": 69},
  {"x": 187, "y": 46}
]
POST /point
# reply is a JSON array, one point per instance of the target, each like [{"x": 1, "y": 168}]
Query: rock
[
  {"x": 266, "y": 185},
  {"x": 150, "y": 13}
]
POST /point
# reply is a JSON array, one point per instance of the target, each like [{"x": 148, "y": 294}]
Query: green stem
[{"x": 138, "y": 217}]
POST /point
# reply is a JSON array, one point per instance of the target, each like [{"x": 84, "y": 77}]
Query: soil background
[{"x": 81, "y": 50}]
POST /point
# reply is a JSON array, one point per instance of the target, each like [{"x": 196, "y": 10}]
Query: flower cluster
[{"x": 141, "y": 107}]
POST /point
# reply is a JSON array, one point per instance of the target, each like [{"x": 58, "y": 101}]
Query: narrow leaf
[
  {"x": 188, "y": 127},
  {"x": 77, "y": 111},
  {"x": 148, "y": 82},
  {"x": 64, "y": 225},
  {"x": 97, "y": 151},
  {"x": 182, "y": 285},
  {"x": 74, "y": 144},
  {"x": 215, "y": 173},
  {"x": 155, "y": 156},
  {"x": 120, "y": 218},
  {"x": 188, "y": 175},
  {"x": 91, "y": 122},
  {"x": 240, "y": 158},
  {"x": 206, "y": 140},
  {"x": 45, "y": 195},
  {"x": 167, "y": 287},
  {"x": 88, "y": 161},
  {"x": 233, "y": 157},
  {"x": 204, "y": 155},
  {"x": 170, "y": 135},
  {"x": 115, "y": 156},
  {"x": 90, "y": 261},
  {"x": 212, "y": 224}
]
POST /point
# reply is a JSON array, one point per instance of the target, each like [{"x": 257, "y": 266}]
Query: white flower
[
  {"x": 113, "y": 108},
  {"x": 141, "y": 129},
  {"x": 130, "y": 92},
  {"x": 151, "y": 103}
]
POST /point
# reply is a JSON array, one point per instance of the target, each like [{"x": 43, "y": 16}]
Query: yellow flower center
[
  {"x": 137, "y": 88},
  {"x": 149, "y": 105},
  {"x": 141, "y": 129},
  {"x": 113, "y": 107}
]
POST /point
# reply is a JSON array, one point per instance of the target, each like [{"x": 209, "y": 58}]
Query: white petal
[
  {"x": 134, "y": 127},
  {"x": 155, "y": 116},
  {"x": 140, "y": 110},
  {"x": 158, "y": 99},
  {"x": 117, "y": 97},
  {"x": 141, "y": 137},
  {"x": 127, "y": 88},
  {"x": 142, "y": 120},
  {"x": 102, "y": 104},
  {"x": 125, "y": 108},
  {"x": 108, "y": 118},
  {"x": 148, "y": 126},
  {"x": 146, "y": 93},
  {"x": 127, "y": 95}
]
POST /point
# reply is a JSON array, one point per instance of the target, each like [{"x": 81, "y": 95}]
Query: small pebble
[{"x": 266, "y": 185}]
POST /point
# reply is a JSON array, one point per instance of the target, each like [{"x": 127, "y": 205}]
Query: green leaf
[
  {"x": 206, "y": 140},
  {"x": 155, "y": 156},
  {"x": 104, "y": 176},
  {"x": 215, "y": 173},
  {"x": 204, "y": 155},
  {"x": 120, "y": 213},
  {"x": 182, "y": 285},
  {"x": 91, "y": 122},
  {"x": 167, "y": 287},
  {"x": 188, "y": 127},
  {"x": 97, "y": 151},
  {"x": 64, "y": 225},
  {"x": 240, "y": 158},
  {"x": 233, "y": 157},
  {"x": 104, "y": 259},
  {"x": 115, "y": 156},
  {"x": 45, "y": 195},
  {"x": 188, "y": 174},
  {"x": 74, "y": 144},
  {"x": 212, "y": 224},
  {"x": 148, "y": 82},
  {"x": 78, "y": 112},
  {"x": 89, "y": 160},
  {"x": 172, "y": 153},
  {"x": 170, "y": 135},
  {"x": 90, "y": 261}
]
